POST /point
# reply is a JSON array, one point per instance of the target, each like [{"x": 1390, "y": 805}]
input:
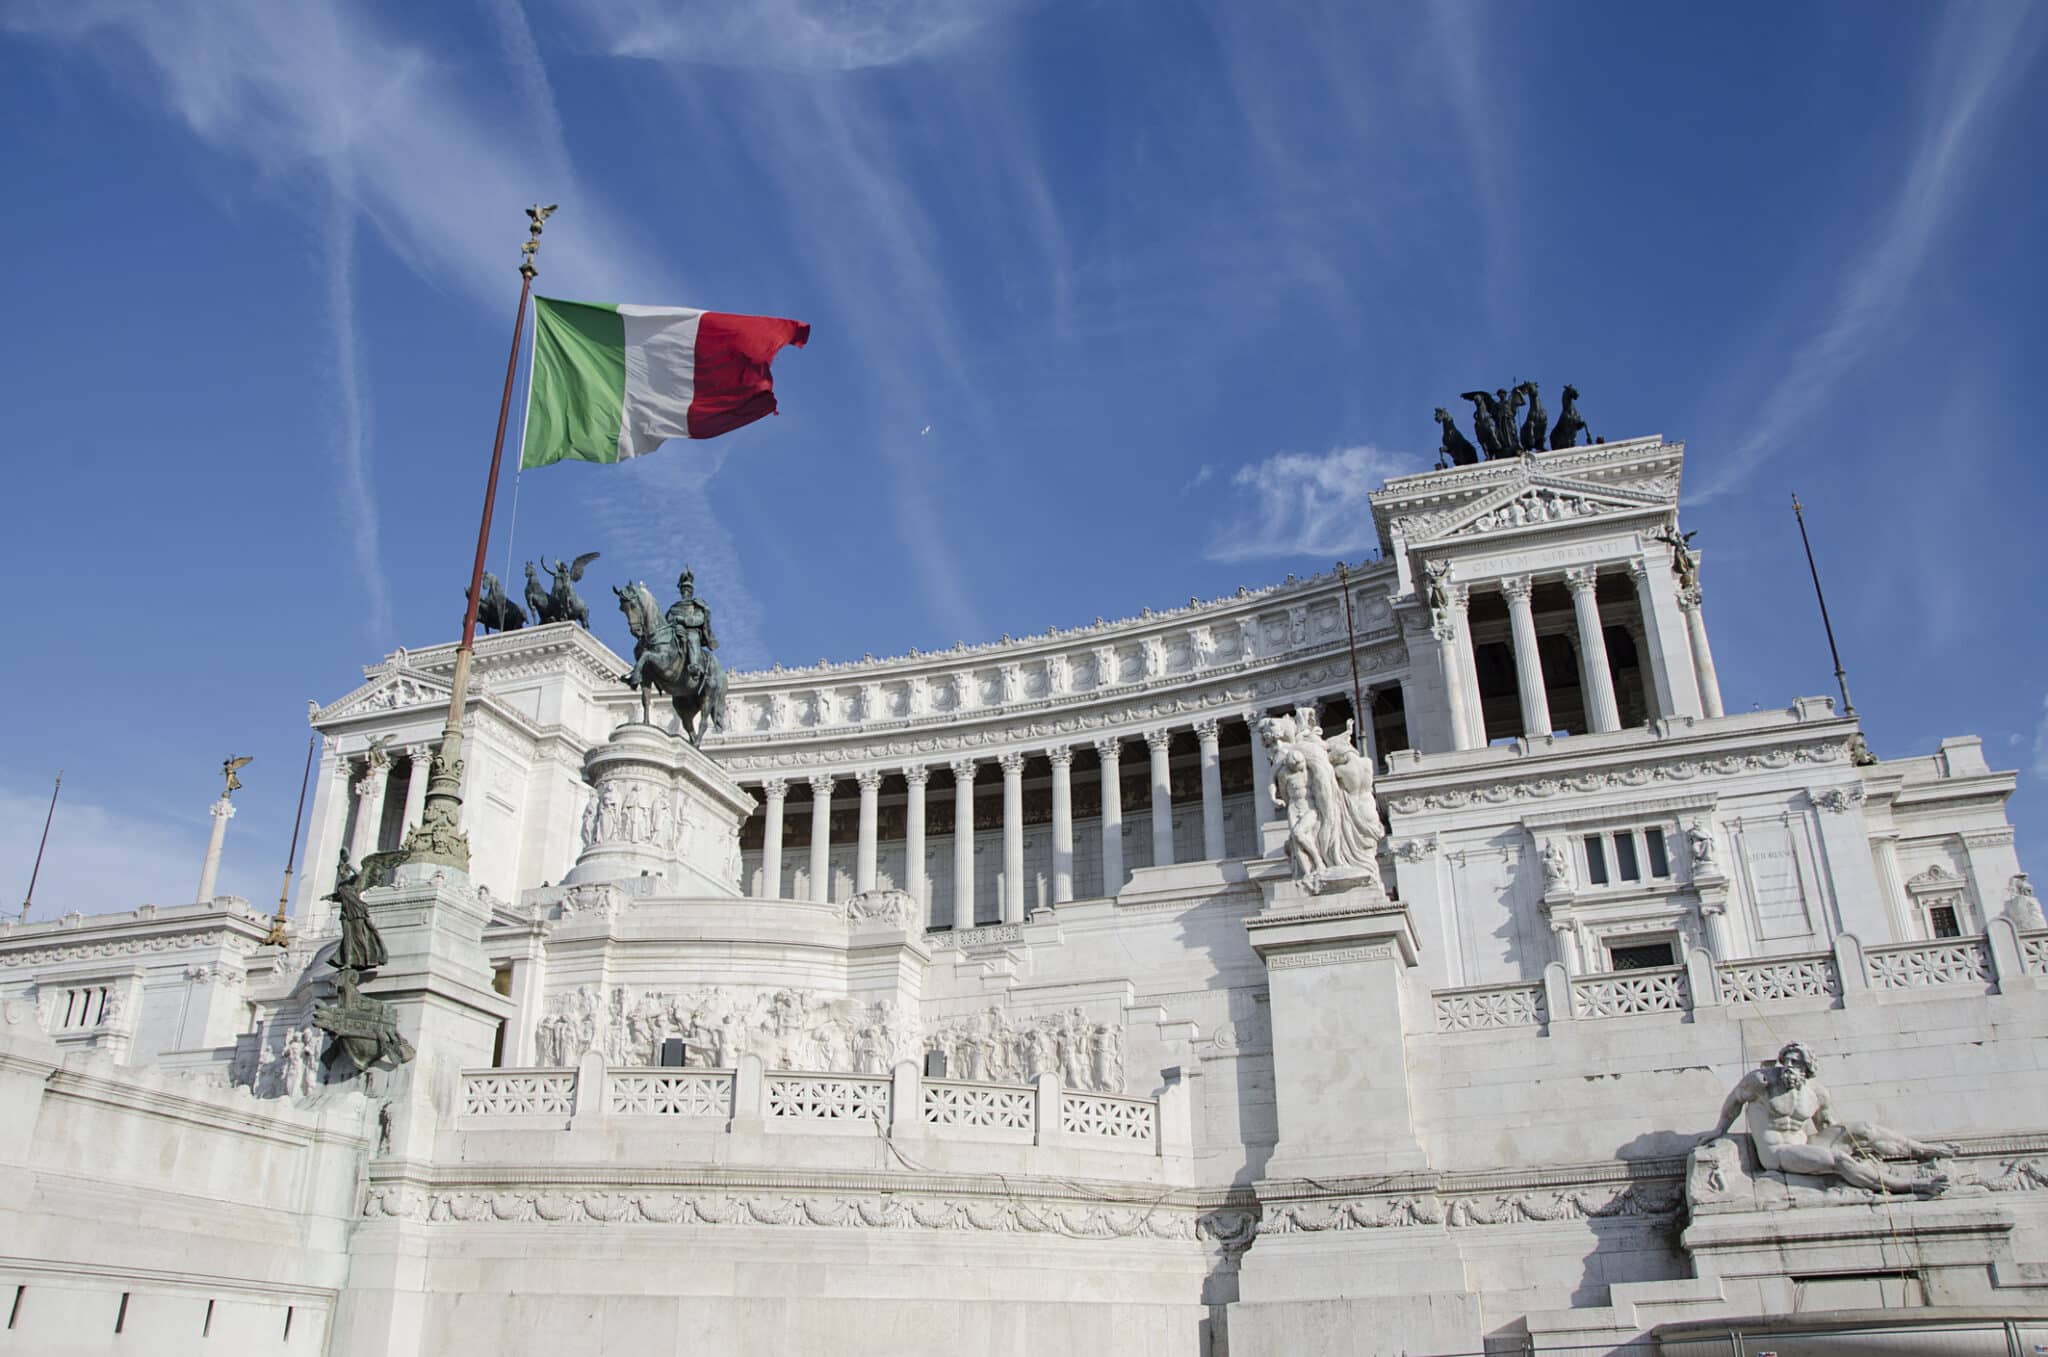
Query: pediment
[
  {"x": 1537, "y": 502},
  {"x": 393, "y": 692}
]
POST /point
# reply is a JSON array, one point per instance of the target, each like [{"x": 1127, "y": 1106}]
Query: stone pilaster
[{"x": 1669, "y": 659}]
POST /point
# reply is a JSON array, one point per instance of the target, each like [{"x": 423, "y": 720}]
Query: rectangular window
[
  {"x": 1625, "y": 857},
  {"x": 1596, "y": 861},
  {"x": 1660, "y": 862},
  {"x": 1942, "y": 922},
  {"x": 1641, "y": 956}
]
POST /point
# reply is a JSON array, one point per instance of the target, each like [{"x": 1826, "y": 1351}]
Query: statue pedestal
[
  {"x": 1336, "y": 963},
  {"x": 661, "y": 808},
  {"x": 1759, "y": 1233}
]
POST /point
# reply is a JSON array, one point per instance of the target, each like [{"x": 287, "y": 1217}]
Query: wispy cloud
[
  {"x": 797, "y": 35},
  {"x": 1976, "y": 59},
  {"x": 352, "y": 398},
  {"x": 98, "y": 859},
  {"x": 2041, "y": 741},
  {"x": 1307, "y": 504}
]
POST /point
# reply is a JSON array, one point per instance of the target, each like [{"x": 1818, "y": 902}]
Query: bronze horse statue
[
  {"x": 658, "y": 661},
  {"x": 497, "y": 612},
  {"x": 1457, "y": 450}
]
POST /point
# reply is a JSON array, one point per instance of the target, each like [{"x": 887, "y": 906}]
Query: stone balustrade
[
  {"x": 897, "y": 1105},
  {"x": 2000, "y": 960}
]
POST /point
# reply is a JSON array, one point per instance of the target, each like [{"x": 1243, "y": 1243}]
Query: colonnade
[
  {"x": 970, "y": 772},
  {"x": 1679, "y": 666},
  {"x": 365, "y": 784}
]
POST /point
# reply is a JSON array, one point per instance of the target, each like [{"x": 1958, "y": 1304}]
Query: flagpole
[
  {"x": 277, "y": 936},
  {"x": 438, "y": 839},
  {"x": 30, "y": 898},
  {"x": 1358, "y": 712},
  {"x": 1841, "y": 678}
]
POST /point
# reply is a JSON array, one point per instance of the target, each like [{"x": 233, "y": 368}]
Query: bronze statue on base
[{"x": 673, "y": 652}]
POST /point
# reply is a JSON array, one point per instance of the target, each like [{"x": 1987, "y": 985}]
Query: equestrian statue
[
  {"x": 1457, "y": 450},
  {"x": 673, "y": 652},
  {"x": 561, "y": 603},
  {"x": 497, "y": 612}
]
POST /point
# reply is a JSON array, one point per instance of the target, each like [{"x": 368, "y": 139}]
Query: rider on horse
[{"x": 689, "y": 618}]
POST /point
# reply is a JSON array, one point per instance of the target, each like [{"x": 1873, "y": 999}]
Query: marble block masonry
[{"x": 1144, "y": 986}]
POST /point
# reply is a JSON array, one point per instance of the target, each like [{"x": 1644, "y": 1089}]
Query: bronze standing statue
[
  {"x": 364, "y": 1030},
  {"x": 564, "y": 604},
  {"x": 673, "y": 652},
  {"x": 229, "y": 767}
]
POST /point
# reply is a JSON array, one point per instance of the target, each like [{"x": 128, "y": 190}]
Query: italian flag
[{"x": 611, "y": 382}]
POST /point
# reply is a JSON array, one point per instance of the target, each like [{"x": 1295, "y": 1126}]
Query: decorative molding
[
  {"x": 1642, "y": 775},
  {"x": 1837, "y": 800},
  {"x": 1297, "y": 960}
]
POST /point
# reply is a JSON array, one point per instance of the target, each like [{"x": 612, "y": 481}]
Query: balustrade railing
[
  {"x": 2034, "y": 953},
  {"x": 519, "y": 1093},
  {"x": 1811, "y": 975},
  {"x": 996, "y": 1107},
  {"x": 1620, "y": 994},
  {"x": 1919, "y": 965},
  {"x": 1109, "y": 1117},
  {"x": 1482, "y": 1008},
  {"x": 786, "y": 1102},
  {"x": 669, "y": 1093}
]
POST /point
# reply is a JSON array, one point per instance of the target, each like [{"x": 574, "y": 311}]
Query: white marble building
[{"x": 1184, "y": 1105}]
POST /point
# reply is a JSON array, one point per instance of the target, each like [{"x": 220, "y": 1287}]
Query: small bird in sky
[{"x": 925, "y": 430}]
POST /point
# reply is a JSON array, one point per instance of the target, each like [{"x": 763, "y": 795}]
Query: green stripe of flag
[{"x": 578, "y": 383}]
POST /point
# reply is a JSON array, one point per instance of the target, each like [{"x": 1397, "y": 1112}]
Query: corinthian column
[
  {"x": 369, "y": 811},
  {"x": 1528, "y": 664},
  {"x": 1262, "y": 776},
  {"x": 1062, "y": 760},
  {"x": 963, "y": 844},
  {"x": 914, "y": 779},
  {"x": 776, "y": 790},
  {"x": 1206, "y": 732},
  {"x": 1110, "y": 751},
  {"x": 821, "y": 838},
  {"x": 870, "y": 783},
  {"x": 222, "y": 811},
  {"x": 1702, "y": 656},
  {"x": 1013, "y": 838},
  {"x": 420, "y": 760},
  {"x": 1158, "y": 742},
  {"x": 1602, "y": 713}
]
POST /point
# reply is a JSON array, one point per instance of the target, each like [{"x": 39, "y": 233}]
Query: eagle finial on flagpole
[{"x": 539, "y": 216}]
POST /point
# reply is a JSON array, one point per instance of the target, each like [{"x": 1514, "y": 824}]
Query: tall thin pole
[
  {"x": 1841, "y": 678},
  {"x": 30, "y": 898},
  {"x": 1359, "y": 716},
  {"x": 291, "y": 855},
  {"x": 438, "y": 837}
]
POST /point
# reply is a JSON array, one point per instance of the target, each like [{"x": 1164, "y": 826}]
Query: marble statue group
[{"x": 1324, "y": 784}]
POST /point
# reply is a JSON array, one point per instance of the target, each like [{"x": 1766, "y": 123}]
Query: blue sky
[{"x": 1171, "y": 287}]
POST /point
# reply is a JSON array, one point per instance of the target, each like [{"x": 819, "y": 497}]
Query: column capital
[
  {"x": 1208, "y": 730},
  {"x": 1583, "y": 579},
  {"x": 821, "y": 786},
  {"x": 1689, "y": 597},
  {"x": 416, "y": 752},
  {"x": 775, "y": 788},
  {"x": 1458, "y": 597},
  {"x": 1158, "y": 740},
  {"x": 1060, "y": 755},
  {"x": 1515, "y": 588},
  {"x": 916, "y": 774},
  {"x": 1110, "y": 748},
  {"x": 222, "y": 809},
  {"x": 1012, "y": 764},
  {"x": 869, "y": 779},
  {"x": 1639, "y": 569},
  {"x": 963, "y": 770}
]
